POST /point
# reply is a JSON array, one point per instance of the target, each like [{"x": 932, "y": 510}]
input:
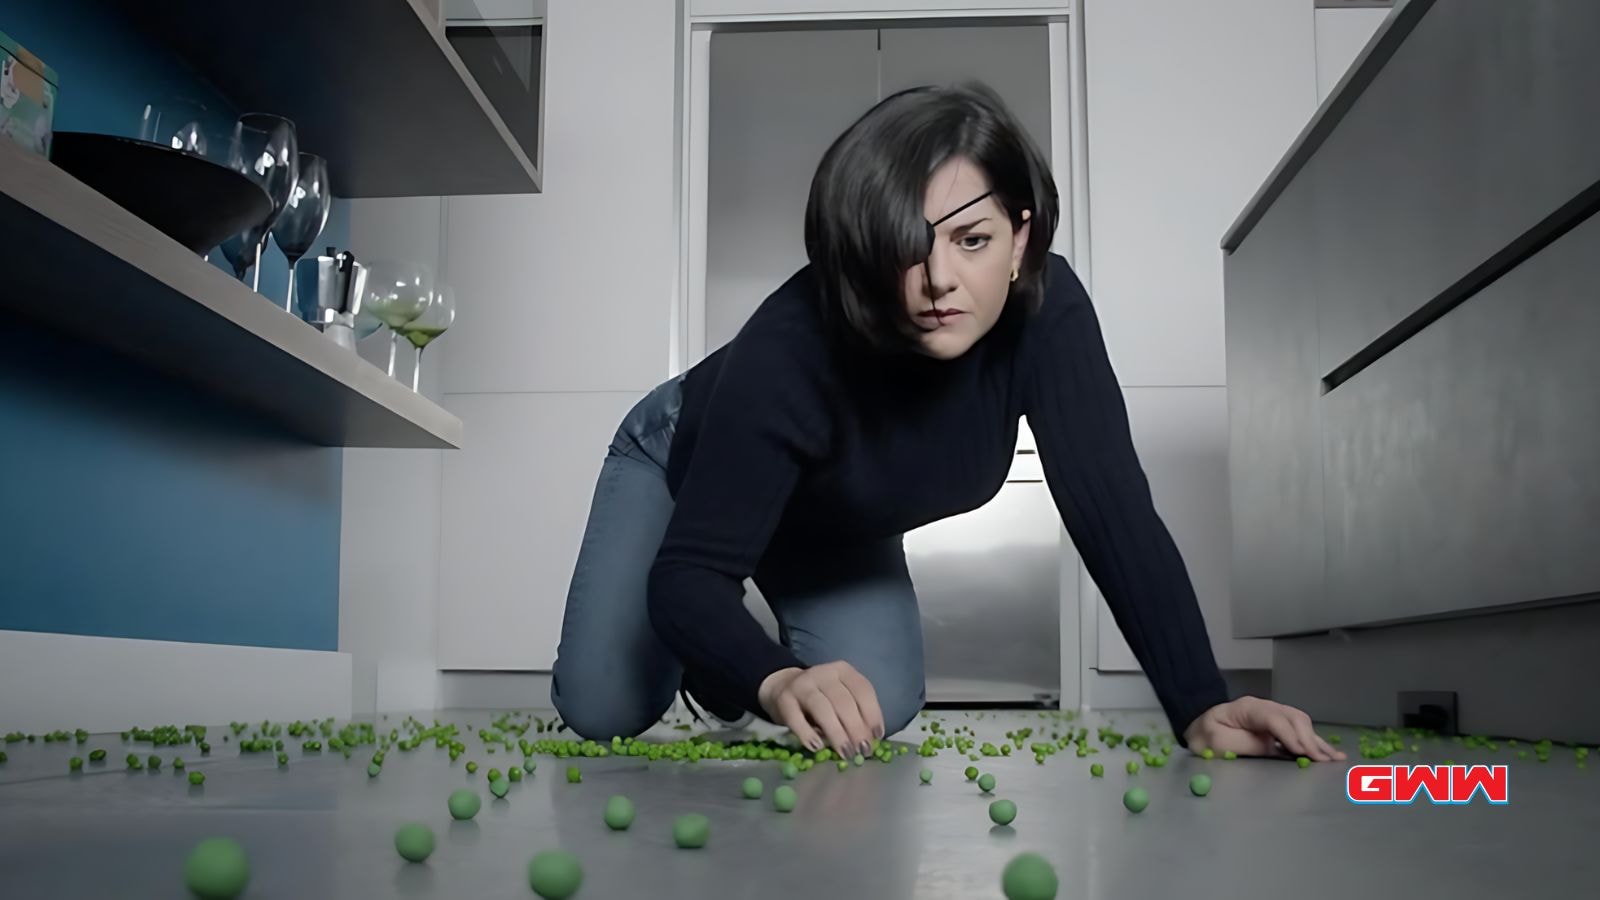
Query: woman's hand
[
  {"x": 1251, "y": 726},
  {"x": 831, "y": 702}
]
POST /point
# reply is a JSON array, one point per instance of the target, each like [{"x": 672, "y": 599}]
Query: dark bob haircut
[{"x": 864, "y": 219}]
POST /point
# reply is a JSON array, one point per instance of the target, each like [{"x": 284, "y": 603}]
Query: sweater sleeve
[
  {"x": 764, "y": 420},
  {"x": 1075, "y": 408}
]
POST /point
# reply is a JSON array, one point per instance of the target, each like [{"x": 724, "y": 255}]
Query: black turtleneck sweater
[{"x": 791, "y": 437}]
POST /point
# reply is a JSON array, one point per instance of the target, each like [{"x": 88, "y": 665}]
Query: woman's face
[{"x": 958, "y": 294}]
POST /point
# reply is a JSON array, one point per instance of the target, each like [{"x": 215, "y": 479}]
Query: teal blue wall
[{"x": 130, "y": 504}]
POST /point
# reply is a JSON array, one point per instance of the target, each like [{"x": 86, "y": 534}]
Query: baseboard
[{"x": 70, "y": 681}]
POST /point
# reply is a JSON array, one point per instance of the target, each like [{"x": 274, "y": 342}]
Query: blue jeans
[{"x": 614, "y": 677}]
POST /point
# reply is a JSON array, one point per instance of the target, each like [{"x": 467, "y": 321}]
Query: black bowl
[{"x": 192, "y": 200}]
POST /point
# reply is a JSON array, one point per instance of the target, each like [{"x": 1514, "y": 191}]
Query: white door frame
[{"x": 697, "y": 20}]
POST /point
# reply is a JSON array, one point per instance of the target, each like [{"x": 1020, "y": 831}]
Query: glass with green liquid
[
  {"x": 399, "y": 293},
  {"x": 426, "y": 328}
]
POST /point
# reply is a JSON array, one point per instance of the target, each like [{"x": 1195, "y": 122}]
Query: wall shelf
[
  {"x": 371, "y": 85},
  {"x": 83, "y": 265}
]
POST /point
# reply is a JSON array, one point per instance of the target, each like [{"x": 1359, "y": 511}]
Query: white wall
[
  {"x": 389, "y": 532},
  {"x": 565, "y": 299},
  {"x": 1189, "y": 106}
]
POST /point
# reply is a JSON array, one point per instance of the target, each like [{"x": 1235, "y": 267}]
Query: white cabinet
[
  {"x": 1181, "y": 435},
  {"x": 515, "y": 501},
  {"x": 1189, "y": 107}
]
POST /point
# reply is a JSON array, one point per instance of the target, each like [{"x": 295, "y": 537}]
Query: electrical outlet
[{"x": 1429, "y": 709}]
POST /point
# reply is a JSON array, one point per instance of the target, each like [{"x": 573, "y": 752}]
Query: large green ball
[
  {"x": 414, "y": 842},
  {"x": 691, "y": 831},
  {"x": 217, "y": 869},
  {"x": 464, "y": 804},
  {"x": 1003, "y": 812},
  {"x": 619, "y": 813},
  {"x": 555, "y": 875},
  {"x": 1028, "y": 877}
]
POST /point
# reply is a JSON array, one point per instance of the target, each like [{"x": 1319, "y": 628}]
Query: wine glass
[
  {"x": 237, "y": 255},
  {"x": 397, "y": 293},
  {"x": 426, "y": 328},
  {"x": 264, "y": 150},
  {"x": 304, "y": 215}
]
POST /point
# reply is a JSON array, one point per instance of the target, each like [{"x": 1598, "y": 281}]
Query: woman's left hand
[{"x": 1251, "y": 726}]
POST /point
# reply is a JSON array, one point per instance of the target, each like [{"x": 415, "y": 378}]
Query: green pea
[
  {"x": 75, "y": 764},
  {"x": 791, "y": 771},
  {"x": 986, "y": 783},
  {"x": 858, "y": 759},
  {"x": 197, "y": 778},
  {"x": 972, "y": 773},
  {"x": 1200, "y": 785},
  {"x": 94, "y": 756},
  {"x": 155, "y": 761},
  {"x": 926, "y": 775},
  {"x": 1229, "y": 754},
  {"x": 472, "y": 767},
  {"x": 619, "y": 813},
  {"x": 1002, "y": 812},
  {"x": 1097, "y": 770},
  {"x": 514, "y": 773},
  {"x": 1136, "y": 799},
  {"x": 783, "y": 799},
  {"x": 1133, "y": 767},
  {"x": 752, "y": 789},
  {"x": 1302, "y": 762},
  {"x": 1208, "y": 753},
  {"x": 574, "y": 775},
  {"x": 177, "y": 764}
]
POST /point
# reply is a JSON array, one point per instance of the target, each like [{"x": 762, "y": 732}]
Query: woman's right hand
[{"x": 830, "y": 703}]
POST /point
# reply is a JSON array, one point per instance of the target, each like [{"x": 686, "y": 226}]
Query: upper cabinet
[{"x": 397, "y": 104}]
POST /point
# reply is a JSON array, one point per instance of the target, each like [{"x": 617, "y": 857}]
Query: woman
[{"x": 877, "y": 390}]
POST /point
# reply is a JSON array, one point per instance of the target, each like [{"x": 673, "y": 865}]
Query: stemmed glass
[
  {"x": 304, "y": 216},
  {"x": 264, "y": 149},
  {"x": 397, "y": 294},
  {"x": 426, "y": 328}
]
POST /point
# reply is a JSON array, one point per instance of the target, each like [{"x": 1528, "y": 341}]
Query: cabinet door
[
  {"x": 773, "y": 113},
  {"x": 1461, "y": 466},
  {"x": 1012, "y": 59}
]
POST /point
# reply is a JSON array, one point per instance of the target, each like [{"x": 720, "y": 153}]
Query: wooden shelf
[
  {"x": 85, "y": 266},
  {"x": 371, "y": 85}
]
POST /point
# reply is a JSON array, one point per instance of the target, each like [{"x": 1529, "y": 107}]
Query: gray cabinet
[
  {"x": 1484, "y": 121},
  {"x": 1430, "y": 242}
]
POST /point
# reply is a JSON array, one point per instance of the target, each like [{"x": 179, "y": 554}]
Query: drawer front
[
  {"x": 1463, "y": 467},
  {"x": 1275, "y": 446},
  {"x": 1486, "y": 120}
]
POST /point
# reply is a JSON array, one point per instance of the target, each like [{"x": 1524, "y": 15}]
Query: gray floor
[{"x": 322, "y": 828}]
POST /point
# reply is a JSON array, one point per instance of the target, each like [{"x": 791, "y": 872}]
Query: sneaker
[{"x": 727, "y": 715}]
